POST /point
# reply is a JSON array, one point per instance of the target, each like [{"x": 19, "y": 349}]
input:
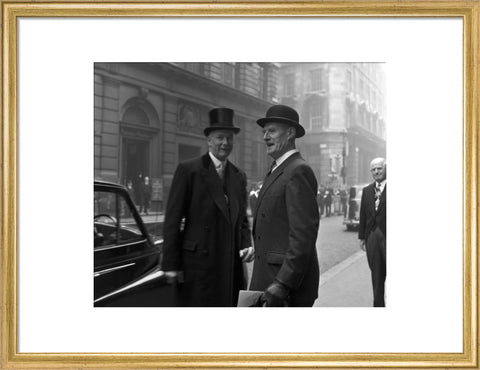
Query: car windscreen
[{"x": 113, "y": 220}]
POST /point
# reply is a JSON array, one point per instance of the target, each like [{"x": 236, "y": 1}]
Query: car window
[{"x": 114, "y": 223}]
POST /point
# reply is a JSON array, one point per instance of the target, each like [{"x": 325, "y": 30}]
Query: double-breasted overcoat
[
  {"x": 285, "y": 228},
  {"x": 205, "y": 227}
]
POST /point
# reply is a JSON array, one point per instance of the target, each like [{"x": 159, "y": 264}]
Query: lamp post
[{"x": 343, "y": 172}]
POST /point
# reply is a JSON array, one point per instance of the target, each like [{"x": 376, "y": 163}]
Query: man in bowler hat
[
  {"x": 206, "y": 230},
  {"x": 286, "y": 218},
  {"x": 372, "y": 230}
]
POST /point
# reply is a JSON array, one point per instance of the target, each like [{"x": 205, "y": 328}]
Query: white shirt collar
[
  {"x": 381, "y": 184},
  {"x": 283, "y": 158},
  {"x": 216, "y": 161}
]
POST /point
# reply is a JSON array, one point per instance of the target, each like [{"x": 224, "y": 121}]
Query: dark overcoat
[
  {"x": 369, "y": 217},
  {"x": 205, "y": 227},
  {"x": 285, "y": 228},
  {"x": 373, "y": 229}
]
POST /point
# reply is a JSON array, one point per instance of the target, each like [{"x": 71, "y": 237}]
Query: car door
[{"x": 123, "y": 251}]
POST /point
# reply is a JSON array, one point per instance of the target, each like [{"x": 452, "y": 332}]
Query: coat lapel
[
  {"x": 382, "y": 199},
  {"x": 232, "y": 182},
  {"x": 214, "y": 185},
  {"x": 371, "y": 194},
  {"x": 270, "y": 179},
  {"x": 371, "y": 198}
]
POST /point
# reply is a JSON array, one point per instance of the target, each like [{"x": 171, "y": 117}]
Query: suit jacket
[
  {"x": 205, "y": 227},
  {"x": 369, "y": 218},
  {"x": 285, "y": 228}
]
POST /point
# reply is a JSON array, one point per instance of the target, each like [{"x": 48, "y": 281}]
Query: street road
[{"x": 334, "y": 243}]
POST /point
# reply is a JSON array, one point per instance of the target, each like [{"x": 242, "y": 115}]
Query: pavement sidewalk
[{"x": 347, "y": 284}]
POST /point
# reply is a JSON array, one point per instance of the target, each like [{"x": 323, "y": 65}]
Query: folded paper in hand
[{"x": 249, "y": 298}]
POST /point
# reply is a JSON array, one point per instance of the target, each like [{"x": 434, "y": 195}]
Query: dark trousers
[{"x": 376, "y": 255}]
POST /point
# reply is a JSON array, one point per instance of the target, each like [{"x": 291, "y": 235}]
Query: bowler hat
[
  {"x": 221, "y": 119},
  {"x": 283, "y": 114}
]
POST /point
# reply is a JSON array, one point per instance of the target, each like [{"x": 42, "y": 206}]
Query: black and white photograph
[
  {"x": 238, "y": 155},
  {"x": 223, "y": 184}
]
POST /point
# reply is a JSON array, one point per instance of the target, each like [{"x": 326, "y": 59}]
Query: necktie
[
  {"x": 220, "y": 170},
  {"x": 221, "y": 173},
  {"x": 378, "y": 193},
  {"x": 274, "y": 164}
]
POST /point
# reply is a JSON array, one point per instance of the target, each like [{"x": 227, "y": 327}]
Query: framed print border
[{"x": 468, "y": 11}]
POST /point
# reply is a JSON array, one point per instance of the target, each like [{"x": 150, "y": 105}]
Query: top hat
[
  {"x": 221, "y": 119},
  {"x": 283, "y": 114}
]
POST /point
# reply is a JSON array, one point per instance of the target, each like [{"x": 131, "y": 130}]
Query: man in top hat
[
  {"x": 286, "y": 218},
  {"x": 206, "y": 231}
]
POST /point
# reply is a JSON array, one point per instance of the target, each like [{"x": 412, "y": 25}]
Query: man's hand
[
  {"x": 247, "y": 254},
  {"x": 362, "y": 245},
  {"x": 174, "y": 276},
  {"x": 275, "y": 295}
]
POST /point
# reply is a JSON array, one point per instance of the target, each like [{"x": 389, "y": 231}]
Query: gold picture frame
[{"x": 468, "y": 11}]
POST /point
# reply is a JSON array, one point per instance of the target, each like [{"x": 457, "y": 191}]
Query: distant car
[
  {"x": 352, "y": 220},
  {"x": 126, "y": 258}
]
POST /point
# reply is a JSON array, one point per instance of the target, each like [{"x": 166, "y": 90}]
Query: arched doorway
[{"x": 139, "y": 128}]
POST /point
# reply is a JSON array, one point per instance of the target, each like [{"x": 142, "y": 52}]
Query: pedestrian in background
[
  {"x": 206, "y": 230},
  {"x": 328, "y": 202},
  {"x": 373, "y": 228},
  {"x": 130, "y": 189},
  {"x": 286, "y": 218},
  {"x": 343, "y": 201},
  {"x": 146, "y": 190},
  {"x": 321, "y": 200},
  {"x": 137, "y": 187},
  {"x": 131, "y": 192}
]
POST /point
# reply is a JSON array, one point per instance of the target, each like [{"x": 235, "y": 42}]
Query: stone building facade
[
  {"x": 150, "y": 116},
  {"x": 342, "y": 107}
]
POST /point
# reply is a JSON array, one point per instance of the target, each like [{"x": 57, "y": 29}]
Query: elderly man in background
[{"x": 373, "y": 228}]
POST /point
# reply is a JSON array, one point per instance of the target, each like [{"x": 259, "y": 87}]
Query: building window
[
  {"x": 192, "y": 67},
  {"x": 317, "y": 115},
  {"x": 362, "y": 89},
  {"x": 263, "y": 81},
  {"x": 316, "y": 80},
  {"x": 289, "y": 85},
  {"x": 362, "y": 117},
  {"x": 349, "y": 115},
  {"x": 348, "y": 82},
  {"x": 229, "y": 73},
  {"x": 214, "y": 71}
]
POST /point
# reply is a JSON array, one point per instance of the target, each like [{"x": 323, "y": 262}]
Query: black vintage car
[{"x": 126, "y": 258}]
